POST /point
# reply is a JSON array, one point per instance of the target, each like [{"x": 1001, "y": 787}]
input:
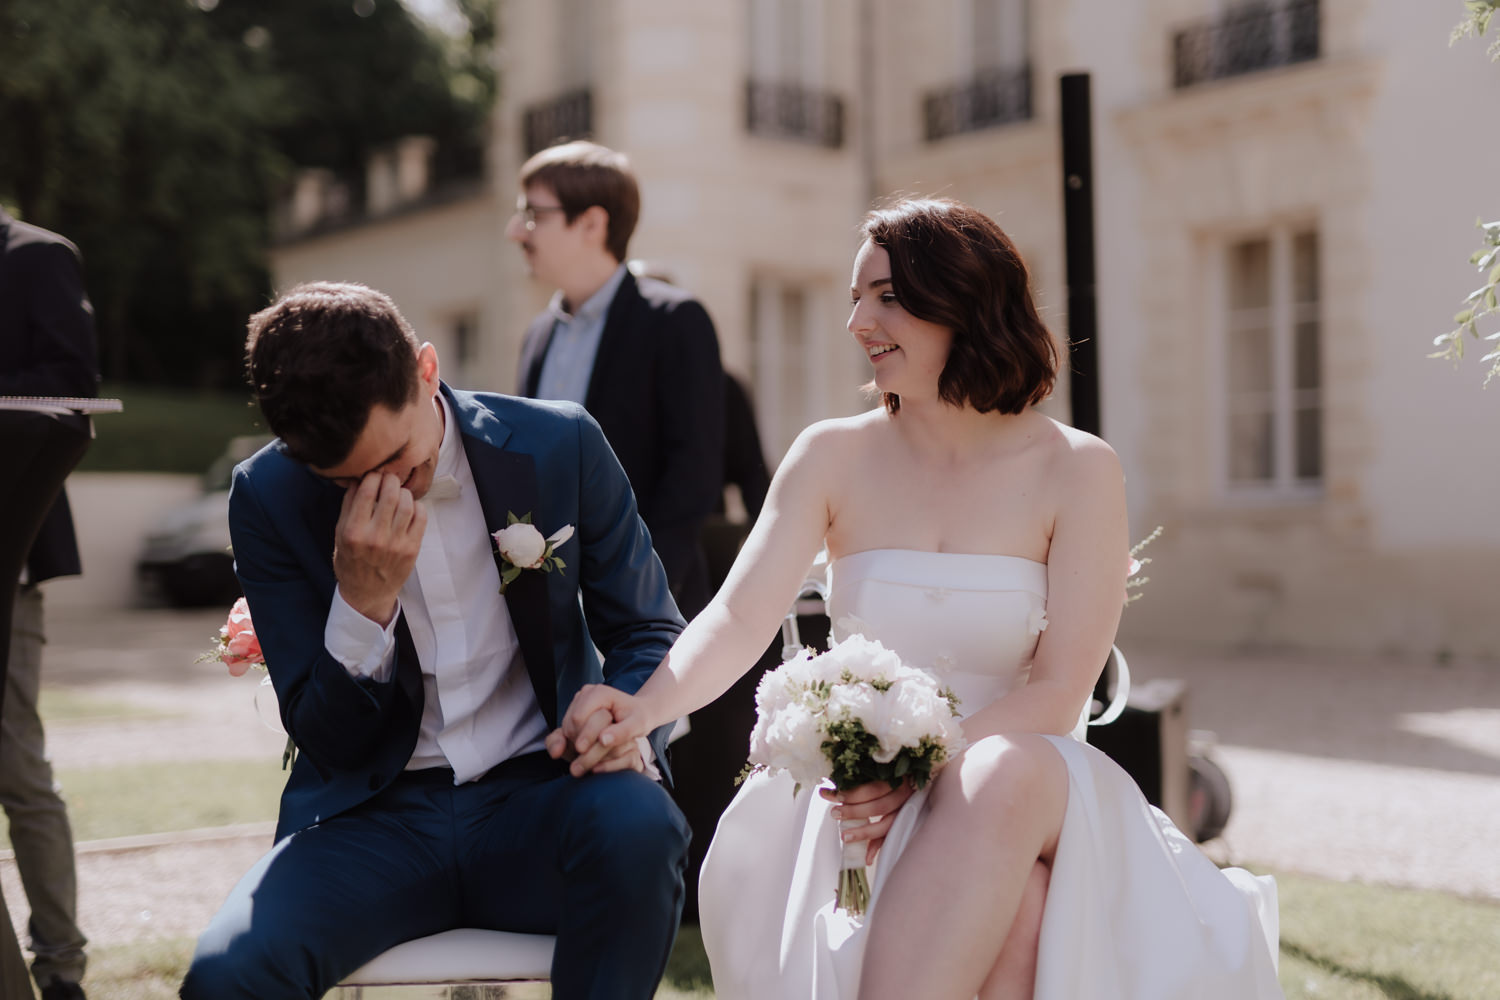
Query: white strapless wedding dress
[{"x": 1134, "y": 910}]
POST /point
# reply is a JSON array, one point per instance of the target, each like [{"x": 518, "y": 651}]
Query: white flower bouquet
[{"x": 853, "y": 715}]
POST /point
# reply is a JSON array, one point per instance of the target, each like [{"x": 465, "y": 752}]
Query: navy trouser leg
[
  {"x": 600, "y": 861},
  {"x": 329, "y": 898}
]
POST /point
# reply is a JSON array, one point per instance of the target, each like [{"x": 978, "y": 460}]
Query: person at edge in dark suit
[
  {"x": 47, "y": 348},
  {"x": 707, "y": 760},
  {"x": 428, "y": 794},
  {"x": 639, "y": 354}
]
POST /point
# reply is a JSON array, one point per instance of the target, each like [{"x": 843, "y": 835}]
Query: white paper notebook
[{"x": 61, "y": 404}]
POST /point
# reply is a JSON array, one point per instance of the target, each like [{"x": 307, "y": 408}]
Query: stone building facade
[{"x": 1284, "y": 200}]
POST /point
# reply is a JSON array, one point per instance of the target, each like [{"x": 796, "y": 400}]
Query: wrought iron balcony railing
[
  {"x": 568, "y": 116},
  {"x": 1245, "y": 39},
  {"x": 993, "y": 97},
  {"x": 792, "y": 111}
]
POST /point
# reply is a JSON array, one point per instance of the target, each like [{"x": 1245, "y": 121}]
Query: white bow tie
[{"x": 443, "y": 488}]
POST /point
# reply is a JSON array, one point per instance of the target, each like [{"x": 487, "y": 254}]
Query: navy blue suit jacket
[{"x": 546, "y": 459}]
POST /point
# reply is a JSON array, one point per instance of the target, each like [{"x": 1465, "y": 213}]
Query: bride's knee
[{"x": 1003, "y": 773}]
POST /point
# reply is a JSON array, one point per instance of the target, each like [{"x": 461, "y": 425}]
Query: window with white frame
[
  {"x": 992, "y": 35},
  {"x": 786, "y": 41},
  {"x": 575, "y": 50},
  {"x": 785, "y": 366},
  {"x": 1273, "y": 370},
  {"x": 461, "y": 354},
  {"x": 786, "y": 97},
  {"x": 991, "y": 83}
]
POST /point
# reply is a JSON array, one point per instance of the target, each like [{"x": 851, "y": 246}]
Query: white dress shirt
[
  {"x": 479, "y": 707},
  {"x": 569, "y": 363}
]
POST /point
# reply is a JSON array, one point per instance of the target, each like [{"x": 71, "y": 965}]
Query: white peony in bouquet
[{"x": 853, "y": 715}]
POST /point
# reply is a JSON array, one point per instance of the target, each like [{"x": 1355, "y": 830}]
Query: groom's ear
[{"x": 427, "y": 367}]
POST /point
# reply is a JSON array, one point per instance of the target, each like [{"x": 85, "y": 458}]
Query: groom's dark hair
[
  {"x": 320, "y": 358},
  {"x": 953, "y": 266}
]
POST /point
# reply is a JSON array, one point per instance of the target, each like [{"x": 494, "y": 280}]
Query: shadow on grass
[
  {"x": 1394, "y": 987},
  {"x": 687, "y": 968},
  {"x": 147, "y": 970}
]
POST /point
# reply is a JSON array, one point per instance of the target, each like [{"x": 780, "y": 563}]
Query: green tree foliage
[
  {"x": 153, "y": 133},
  {"x": 1483, "y": 302},
  {"x": 361, "y": 74}
]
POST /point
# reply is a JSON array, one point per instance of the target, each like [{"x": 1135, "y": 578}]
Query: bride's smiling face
[{"x": 908, "y": 353}]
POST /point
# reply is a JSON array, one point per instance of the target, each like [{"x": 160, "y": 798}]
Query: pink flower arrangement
[{"x": 237, "y": 646}]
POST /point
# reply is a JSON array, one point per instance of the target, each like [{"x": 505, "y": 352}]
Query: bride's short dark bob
[{"x": 952, "y": 265}]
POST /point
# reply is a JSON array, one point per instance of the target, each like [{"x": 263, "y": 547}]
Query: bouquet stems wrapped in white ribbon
[{"x": 853, "y": 715}]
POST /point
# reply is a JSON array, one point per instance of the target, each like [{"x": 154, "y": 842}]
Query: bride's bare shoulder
[
  {"x": 840, "y": 436},
  {"x": 1078, "y": 457}
]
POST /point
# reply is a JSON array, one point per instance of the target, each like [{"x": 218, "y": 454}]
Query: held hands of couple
[
  {"x": 599, "y": 732},
  {"x": 876, "y": 801},
  {"x": 376, "y": 541}
]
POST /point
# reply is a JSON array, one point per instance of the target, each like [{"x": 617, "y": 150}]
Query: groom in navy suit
[{"x": 431, "y": 790}]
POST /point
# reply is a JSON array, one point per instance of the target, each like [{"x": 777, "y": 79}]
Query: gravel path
[{"x": 1341, "y": 767}]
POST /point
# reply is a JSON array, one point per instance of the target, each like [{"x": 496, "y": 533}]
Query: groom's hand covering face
[{"x": 376, "y": 541}]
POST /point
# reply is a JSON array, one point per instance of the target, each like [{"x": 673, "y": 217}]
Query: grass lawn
[
  {"x": 64, "y": 704},
  {"x": 1359, "y": 942},
  {"x": 126, "y": 801},
  {"x": 167, "y": 430}
]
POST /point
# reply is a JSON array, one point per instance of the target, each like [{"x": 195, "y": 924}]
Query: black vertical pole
[{"x": 1078, "y": 242}]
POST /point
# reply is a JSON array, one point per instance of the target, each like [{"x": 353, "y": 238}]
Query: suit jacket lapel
[
  {"x": 612, "y": 340},
  {"x": 506, "y": 482},
  {"x": 538, "y": 339}
]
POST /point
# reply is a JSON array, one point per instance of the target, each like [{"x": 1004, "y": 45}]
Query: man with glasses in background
[{"x": 639, "y": 354}]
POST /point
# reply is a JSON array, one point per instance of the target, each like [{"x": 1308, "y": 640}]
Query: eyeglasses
[{"x": 529, "y": 213}]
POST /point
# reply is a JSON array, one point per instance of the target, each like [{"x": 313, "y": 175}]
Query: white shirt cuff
[
  {"x": 648, "y": 758},
  {"x": 361, "y": 645}
]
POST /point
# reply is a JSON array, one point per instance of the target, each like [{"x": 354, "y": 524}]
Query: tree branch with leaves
[{"x": 1481, "y": 303}]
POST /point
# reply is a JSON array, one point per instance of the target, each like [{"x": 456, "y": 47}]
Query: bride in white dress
[{"x": 987, "y": 543}]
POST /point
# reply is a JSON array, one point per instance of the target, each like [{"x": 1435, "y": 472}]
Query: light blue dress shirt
[{"x": 575, "y": 343}]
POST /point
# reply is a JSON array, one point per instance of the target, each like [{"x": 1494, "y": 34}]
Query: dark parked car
[{"x": 186, "y": 557}]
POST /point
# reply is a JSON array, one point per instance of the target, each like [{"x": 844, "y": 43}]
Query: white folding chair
[{"x": 465, "y": 956}]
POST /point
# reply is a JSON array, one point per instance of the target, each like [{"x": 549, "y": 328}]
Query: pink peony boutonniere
[{"x": 521, "y": 546}]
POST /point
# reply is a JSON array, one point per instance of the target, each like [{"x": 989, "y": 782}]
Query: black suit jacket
[
  {"x": 47, "y": 348},
  {"x": 657, "y": 390}
]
